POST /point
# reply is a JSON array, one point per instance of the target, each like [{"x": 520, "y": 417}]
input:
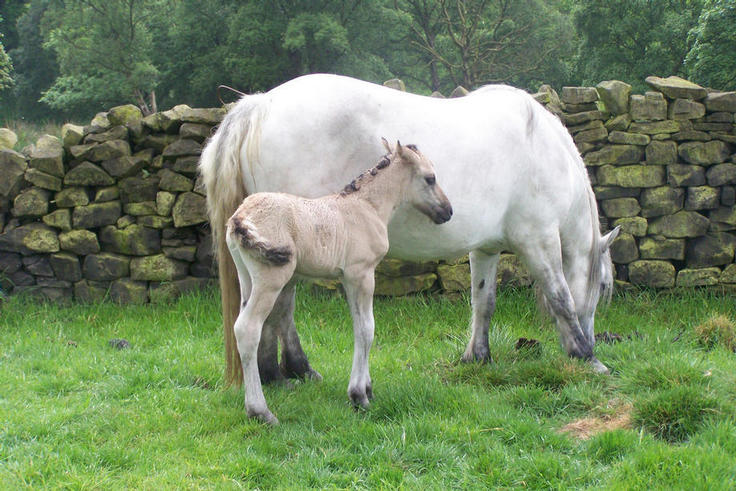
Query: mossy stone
[
  {"x": 134, "y": 240},
  {"x": 689, "y": 278},
  {"x": 682, "y": 224},
  {"x": 80, "y": 242},
  {"x": 157, "y": 268},
  {"x": 455, "y": 277},
  {"x": 657, "y": 274}
]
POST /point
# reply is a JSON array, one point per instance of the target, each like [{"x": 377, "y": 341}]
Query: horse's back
[{"x": 319, "y": 131}]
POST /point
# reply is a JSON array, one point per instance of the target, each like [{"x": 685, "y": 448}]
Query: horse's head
[{"x": 423, "y": 191}]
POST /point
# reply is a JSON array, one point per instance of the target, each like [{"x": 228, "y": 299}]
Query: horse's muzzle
[{"x": 442, "y": 214}]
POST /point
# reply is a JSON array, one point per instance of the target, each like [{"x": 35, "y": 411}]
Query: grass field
[{"x": 77, "y": 413}]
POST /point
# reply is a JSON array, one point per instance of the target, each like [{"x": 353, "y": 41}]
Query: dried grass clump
[{"x": 717, "y": 329}]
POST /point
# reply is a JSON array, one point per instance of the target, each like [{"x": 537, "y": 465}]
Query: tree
[
  {"x": 104, "y": 53},
  {"x": 477, "y": 42},
  {"x": 631, "y": 39},
  {"x": 711, "y": 59},
  {"x": 6, "y": 67}
]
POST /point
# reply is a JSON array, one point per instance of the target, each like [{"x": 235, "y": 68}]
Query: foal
[{"x": 273, "y": 237}]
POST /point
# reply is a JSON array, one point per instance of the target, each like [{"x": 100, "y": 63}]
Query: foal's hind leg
[
  {"x": 544, "y": 260},
  {"x": 483, "y": 269}
]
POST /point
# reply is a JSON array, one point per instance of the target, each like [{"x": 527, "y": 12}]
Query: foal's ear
[
  {"x": 608, "y": 239},
  {"x": 399, "y": 149},
  {"x": 386, "y": 145}
]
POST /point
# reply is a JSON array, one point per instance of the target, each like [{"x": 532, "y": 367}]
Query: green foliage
[
  {"x": 711, "y": 60},
  {"x": 104, "y": 53},
  {"x": 632, "y": 39},
  {"x": 675, "y": 414},
  {"x": 6, "y": 68}
]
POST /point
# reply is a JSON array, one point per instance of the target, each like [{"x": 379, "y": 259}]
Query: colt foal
[{"x": 274, "y": 237}]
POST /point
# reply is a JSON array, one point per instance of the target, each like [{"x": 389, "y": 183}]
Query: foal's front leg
[{"x": 359, "y": 292}]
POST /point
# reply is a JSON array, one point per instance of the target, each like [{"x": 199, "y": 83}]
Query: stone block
[
  {"x": 182, "y": 148},
  {"x": 581, "y": 118},
  {"x": 396, "y": 268},
  {"x": 455, "y": 277},
  {"x": 698, "y": 277},
  {"x": 96, "y": 214},
  {"x": 702, "y": 198},
  {"x": 166, "y": 292},
  {"x": 704, "y": 153},
  {"x": 615, "y": 155},
  {"x": 159, "y": 142},
  {"x": 114, "y": 133},
  {"x": 124, "y": 115},
  {"x": 728, "y": 276},
  {"x": 90, "y": 291},
  {"x": 624, "y": 138},
  {"x": 610, "y": 192},
  {"x": 208, "y": 116},
  {"x": 636, "y": 226},
  {"x": 624, "y": 249},
  {"x": 125, "y": 166},
  {"x": 578, "y": 95},
  {"x": 155, "y": 221},
  {"x": 31, "y": 202},
  {"x": 714, "y": 249},
  {"x": 691, "y": 135},
  {"x": 42, "y": 180},
  {"x": 71, "y": 197},
  {"x": 458, "y": 91},
  {"x": 680, "y": 175},
  {"x": 66, "y": 266},
  {"x": 157, "y": 268},
  {"x": 676, "y": 87},
  {"x": 728, "y": 196},
  {"x": 173, "y": 182},
  {"x": 138, "y": 189},
  {"x": 651, "y": 248},
  {"x": 143, "y": 208},
  {"x": 9, "y": 263},
  {"x": 682, "y": 224},
  {"x": 164, "y": 203},
  {"x": 591, "y": 136},
  {"x": 126, "y": 291},
  {"x": 47, "y": 155},
  {"x": 134, "y": 240},
  {"x": 619, "y": 123},
  {"x": 614, "y": 95},
  {"x": 107, "y": 150},
  {"x": 107, "y": 194},
  {"x": 721, "y": 174},
  {"x": 721, "y": 101},
  {"x": 8, "y": 139},
  {"x": 189, "y": 209},
  {"x": 685, "y": 109},
  {"x": 661, "y": 153},
  {"x": 33, "y": 238},
  {"x": 649, "y": 107},
  {"x": 512, "y": 272},
  {"x": 61, "y": 219},
  {"x": 187, "y": 166},
  {"x": 656, "y": 274},
  {"x": 181, "y": 253},
  {"x": 620, "y": 207},
  {"x": 105, "y": 266},
  {"x": 631, "y": 176},
  {"x": 80, "y": 242},
  {"x": 655, "y": 128},
  {"x": 405, "y": 285},
  {"x": 197, "y": 132},
  {"x": 724, "y": 215},
  {"x": 38, "y": 265},
  {"x": 88, "y": 174},
  {"x": 662, "y": 200},
  {"x": 13, "y": 165}
]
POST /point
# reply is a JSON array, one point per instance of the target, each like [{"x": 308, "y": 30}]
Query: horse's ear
[
  {"x": 608, "y": 239},
  {"x": 399, "y": 149},
  {"x": 386, "y": 145}
]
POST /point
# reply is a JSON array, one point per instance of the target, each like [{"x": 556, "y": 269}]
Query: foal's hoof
[
  {"x": 599, "y": 367},
  {"x": 265, "y": 417}
]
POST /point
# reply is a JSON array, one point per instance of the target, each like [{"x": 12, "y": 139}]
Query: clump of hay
[
  {"x": 717, "y": 329},
  {"x": 584, "y": 428}
]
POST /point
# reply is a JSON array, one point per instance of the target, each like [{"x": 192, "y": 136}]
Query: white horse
[
  {"x": 276, "y": 237},
  {"x": 510, "y": 168}
]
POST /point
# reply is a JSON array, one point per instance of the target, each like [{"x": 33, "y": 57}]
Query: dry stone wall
[{"x": 116, "y": 208}]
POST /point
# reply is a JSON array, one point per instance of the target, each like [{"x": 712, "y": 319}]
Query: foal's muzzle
[{"x": 442, "y": 214}]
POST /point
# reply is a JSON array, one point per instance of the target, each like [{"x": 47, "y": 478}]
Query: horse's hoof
[
  {"x": 599, "y": 367},
  {"x": 359, "y": 399},
  {"x": 475, "y": 358},
  {"x": 313, "y": 374},
  {"x": 267, "y": 418}
]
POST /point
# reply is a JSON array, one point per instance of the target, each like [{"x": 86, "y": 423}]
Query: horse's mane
[{"x": 368, "y": 175}]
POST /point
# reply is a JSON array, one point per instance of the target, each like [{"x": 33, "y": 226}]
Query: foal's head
[{"x": 423, "y": 191}]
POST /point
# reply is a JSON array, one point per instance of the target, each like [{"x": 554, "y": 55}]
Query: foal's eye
[{"x": 430, "y": 180}]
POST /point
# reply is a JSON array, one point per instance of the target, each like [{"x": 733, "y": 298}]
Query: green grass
[{"x": 77, "y": 413}]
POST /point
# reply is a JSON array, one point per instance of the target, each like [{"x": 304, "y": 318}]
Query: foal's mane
[{"x": 367, "y": 175}]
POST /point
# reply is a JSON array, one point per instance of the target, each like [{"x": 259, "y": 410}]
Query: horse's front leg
[
  {"x": 483, "y": 268},
  {"x": 359, "y": 292}
]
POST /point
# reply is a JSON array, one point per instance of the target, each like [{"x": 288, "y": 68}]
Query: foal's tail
[
  {"x": 246, "y": 234},
  {"x": 222, "y": 171}
]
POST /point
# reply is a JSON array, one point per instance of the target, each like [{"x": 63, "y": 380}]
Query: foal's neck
[{"x": 382, "y": 188}]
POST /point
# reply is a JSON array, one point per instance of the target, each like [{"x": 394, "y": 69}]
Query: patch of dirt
[{"x": 584, "y": 428}]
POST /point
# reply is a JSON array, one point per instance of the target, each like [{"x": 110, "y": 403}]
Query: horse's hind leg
[
  {"x": 483, "y": 269},
  {"x": 294, "y": 362},
  {"x": 544, "y": 260}
]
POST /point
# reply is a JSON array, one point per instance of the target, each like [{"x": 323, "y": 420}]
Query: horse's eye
[{"x": 430, "y": 180}]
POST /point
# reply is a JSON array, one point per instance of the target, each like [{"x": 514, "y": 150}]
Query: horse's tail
[
  {"x": 246, "y": 234},
  {"x": 222, "y": 171}
]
